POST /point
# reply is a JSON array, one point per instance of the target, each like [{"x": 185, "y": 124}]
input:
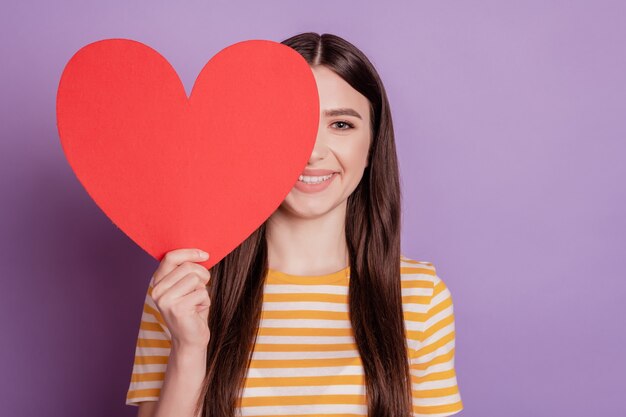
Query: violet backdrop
[{"x": 510, "y": 122}]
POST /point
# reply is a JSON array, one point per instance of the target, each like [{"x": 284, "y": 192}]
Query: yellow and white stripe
[{"x": 305, "y": 361}]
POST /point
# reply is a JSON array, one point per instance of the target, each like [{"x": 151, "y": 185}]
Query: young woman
[{"x": 317, "y": 312}]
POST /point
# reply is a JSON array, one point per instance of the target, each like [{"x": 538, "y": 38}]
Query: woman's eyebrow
[{"x": 342, "y": 112}]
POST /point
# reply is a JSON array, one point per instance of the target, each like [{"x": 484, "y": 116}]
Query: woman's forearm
[{"x": 182, "y": 384}]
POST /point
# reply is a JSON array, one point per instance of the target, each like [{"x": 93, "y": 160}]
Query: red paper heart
[{"x": 176, "y": 172}]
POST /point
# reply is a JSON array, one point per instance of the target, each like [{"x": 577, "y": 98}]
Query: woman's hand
[{"x": 180, "y": 293}]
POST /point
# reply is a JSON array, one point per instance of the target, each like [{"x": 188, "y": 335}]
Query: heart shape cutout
[{"x": 173, "y": 171}]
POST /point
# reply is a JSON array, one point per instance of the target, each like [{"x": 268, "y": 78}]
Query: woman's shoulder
[
  {"x": 421, "y": 274},
  {"x": 411, "y": 268}
]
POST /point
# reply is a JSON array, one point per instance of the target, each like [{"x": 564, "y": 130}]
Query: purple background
[{"x": 510, "y": 123}]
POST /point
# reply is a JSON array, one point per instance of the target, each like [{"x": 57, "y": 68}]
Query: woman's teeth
[{"x": 313, "y": 180}]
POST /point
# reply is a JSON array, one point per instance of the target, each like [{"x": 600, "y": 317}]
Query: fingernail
[{"x": 203, "y": 254}]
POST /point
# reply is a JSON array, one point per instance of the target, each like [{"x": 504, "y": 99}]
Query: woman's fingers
[
  {"x": 181, "y": 295},
  {"x": 176, "y": 257},
  {"x": 196, "y": 300},
  {"x": 197, "y": 273},
  {"x": 181, "y": 287}
]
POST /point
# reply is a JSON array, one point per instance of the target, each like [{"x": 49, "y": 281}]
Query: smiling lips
[
  {"x": 315, "y": 180},
  {"x": 310, "y": 179},
  {"x": 315, "y": 176}
]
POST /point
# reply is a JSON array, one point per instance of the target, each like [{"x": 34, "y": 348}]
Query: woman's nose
[{"x": 320, "y": 149}]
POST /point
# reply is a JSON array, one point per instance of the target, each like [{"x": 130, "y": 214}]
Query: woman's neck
[{"x": 307, "y": 246}]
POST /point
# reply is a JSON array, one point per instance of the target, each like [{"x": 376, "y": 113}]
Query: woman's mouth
[
  {"x": 313, "y": 179},
  {"x": 314, "y": 183}
]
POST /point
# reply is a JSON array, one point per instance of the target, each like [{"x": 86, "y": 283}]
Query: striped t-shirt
[{"x": 305, "y": 360}]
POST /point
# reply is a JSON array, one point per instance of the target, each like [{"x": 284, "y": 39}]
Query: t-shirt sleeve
[
  {"x": 151, "y": 355},
  {"x": 434, "y": 382}
]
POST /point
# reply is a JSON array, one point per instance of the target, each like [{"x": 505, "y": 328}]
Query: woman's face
[{"x": 341, "y": 148}]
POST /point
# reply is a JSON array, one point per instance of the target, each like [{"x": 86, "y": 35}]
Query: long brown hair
[{"x": 373, "y": 240}]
